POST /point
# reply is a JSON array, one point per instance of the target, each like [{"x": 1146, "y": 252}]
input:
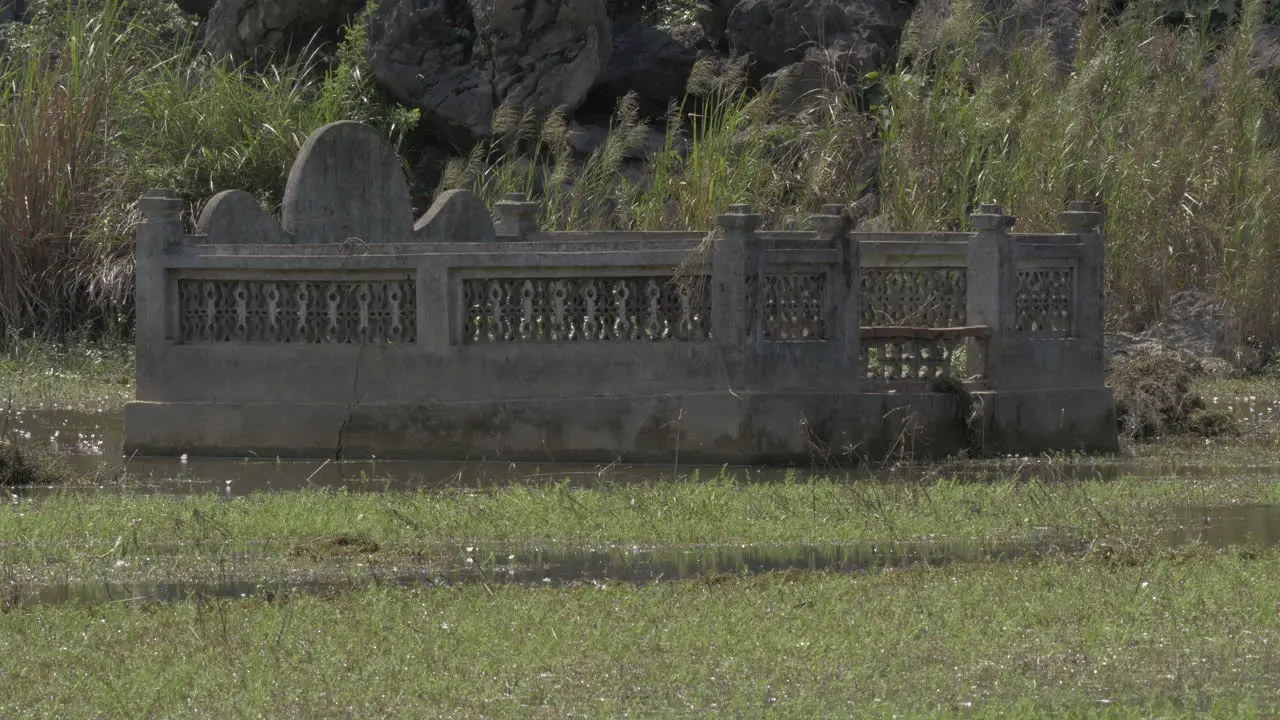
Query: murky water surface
[
  {"x": 568, "y": 565},
  {"x": 1255, "y": 526},
  {"x": 91, "y": 443}
]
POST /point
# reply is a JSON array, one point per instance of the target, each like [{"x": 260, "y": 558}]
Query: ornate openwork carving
[
  {"x": 1045, "y": 300},
  {"x": 912, "y": 359},
  {"x": 287, "y": 311},
  {"x": 586, "y": 309},
  {"x": 914, "y": 297},
  {"x": 794, "y": 307}
]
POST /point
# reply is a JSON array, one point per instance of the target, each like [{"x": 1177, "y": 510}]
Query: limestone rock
[
  {"x": 713, "y": 18},
  {"x": 801, "y": 85},
  {"x": 461, "y": 61},
  {"x": 196, "y": 7},
  {"x": 856, "y": 36},
  {"x": 653, "y": 62},
  {"x": 247, "y": 30}
]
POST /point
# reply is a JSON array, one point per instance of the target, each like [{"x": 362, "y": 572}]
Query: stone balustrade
[{"x": 349, "y": 329}]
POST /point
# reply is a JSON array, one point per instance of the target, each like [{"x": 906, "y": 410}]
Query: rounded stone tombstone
[
  {"x": 234, "y": 217},
  {"x": 347, "y": 183},
  {"x": 456, "y": 216}
]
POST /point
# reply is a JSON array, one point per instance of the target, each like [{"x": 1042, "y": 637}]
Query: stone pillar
[
  {"x": 844, "y": 303},
  {"x": 992, "y": 289},
  {"x": 735, "y": 289},
  {"x": 517, "y": 218},
  {"x": 157, "y": 236},
  {"x": 1087, "y": 314}
]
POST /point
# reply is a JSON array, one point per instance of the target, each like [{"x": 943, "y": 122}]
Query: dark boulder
[
  {"x": 460, "y": 61},
  {"x": 856, "y": 36},
  {"x": 654, "y": 63},
  {"x": 258, "y": 30}
]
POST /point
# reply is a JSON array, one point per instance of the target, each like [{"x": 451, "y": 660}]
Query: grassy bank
[{"x": 1180, "y": 636}]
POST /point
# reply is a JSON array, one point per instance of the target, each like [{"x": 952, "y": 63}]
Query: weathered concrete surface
[
  {"x": 710, "y": 427},
  {"x": 1076, "y": 419},
  {"x": 236, "y": 217},
  {"x": 457, "y": 215},
  {"x": 347, "y": 183}
]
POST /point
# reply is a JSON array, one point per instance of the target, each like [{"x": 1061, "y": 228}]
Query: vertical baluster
[
  {"x": 621, "y": 324},
  {"x": 930, "y": 358},
  {"x": 525, "y": 330},
  {"x": 591, "y": 329},
  {"x": 394, "y": 294},
  {"x": 494, "y": 306}
]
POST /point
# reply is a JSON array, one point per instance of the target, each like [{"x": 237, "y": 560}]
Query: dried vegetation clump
[{"x": 1154, "y": 398}]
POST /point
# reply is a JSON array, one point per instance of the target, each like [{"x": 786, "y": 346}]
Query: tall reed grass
[
  {"x": 1168, "y": 126},
  {"x": 55, "y": 101},
  {"x": 723, "y": 144},
  {"x": 99, "y": 103}
]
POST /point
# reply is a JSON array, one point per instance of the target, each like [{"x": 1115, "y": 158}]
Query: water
[
  {"x": 90, "y": 443},
  {"x": 559, "y": 566},
  {"x": 1254, "y": 526}
]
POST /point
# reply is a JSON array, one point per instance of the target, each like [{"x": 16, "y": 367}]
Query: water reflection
[
  {"x": 1252, "y": 524},
  {"x": 570, "y": 565},
  {"x": 1217, "y": 527},
  {"x": 90, "y": 443}
]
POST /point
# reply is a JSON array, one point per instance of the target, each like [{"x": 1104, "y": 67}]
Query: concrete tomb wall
[{"x": 350, "y": 329}]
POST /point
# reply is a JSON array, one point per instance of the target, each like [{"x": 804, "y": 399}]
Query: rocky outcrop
[
  {"x": 196, "y": 7},
  {"x": 854, "y": 36},
  {"x": 257, "y": 30},
  {"x": 460, "y": 61},
  {"x": 654, "y": 63}
]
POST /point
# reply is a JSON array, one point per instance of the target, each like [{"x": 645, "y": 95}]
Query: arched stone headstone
[
  {"x": 456, "y": 216},
  {"x": 347, "y": 183},
  {"x": 234, "y": 217}
]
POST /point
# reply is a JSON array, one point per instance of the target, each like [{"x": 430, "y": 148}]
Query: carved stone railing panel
[
  {"x": 921, "y": 297},
  {"x": 912, "y": 359},
  {"x": 580, "y": 309},
  {"x": 1045, "y": 300},
  {"x": 291, "y": 311},
  {"x": 795, "y": 307}
]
